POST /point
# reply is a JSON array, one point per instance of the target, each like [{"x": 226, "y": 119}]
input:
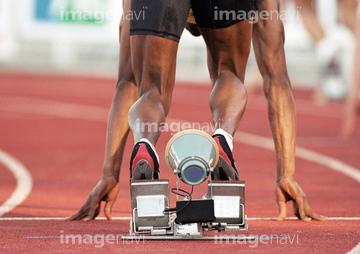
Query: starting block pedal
[
  {"x": 149, "y": 199},
  {"x": 229, "y": 204}
]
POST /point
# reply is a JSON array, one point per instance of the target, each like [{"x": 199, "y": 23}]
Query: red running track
[{"x": 55, "y": 126}]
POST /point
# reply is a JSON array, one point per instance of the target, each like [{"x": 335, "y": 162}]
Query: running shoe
[
  {"x": 143, "y": 163},
  {"x": 225, "y": 168}
]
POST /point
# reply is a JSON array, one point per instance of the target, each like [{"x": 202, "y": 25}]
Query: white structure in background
[
  {"x": 327, "y": 12},
  {"x": 56, "y": 44},
  {"x": 7, "y": 42},
  {"x": 48, "y": 43}
]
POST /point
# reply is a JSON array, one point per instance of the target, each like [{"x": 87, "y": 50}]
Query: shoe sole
[
  {"x": 142, "y": 171},
  {"x": 224, "y": 171}
]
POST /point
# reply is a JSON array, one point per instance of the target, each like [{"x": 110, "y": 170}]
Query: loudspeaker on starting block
[{"x": 191, "y": 155}]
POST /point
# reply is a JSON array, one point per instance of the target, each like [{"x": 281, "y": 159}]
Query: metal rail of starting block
[{"x": 149, "y": 199}]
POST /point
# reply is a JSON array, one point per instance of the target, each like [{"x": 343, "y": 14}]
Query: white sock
[
  {"x": 145, "y": 140},
  {"x": 227, "y": 136}
]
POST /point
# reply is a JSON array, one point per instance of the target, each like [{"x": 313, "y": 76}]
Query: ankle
[{"x": 226, "y": 135}]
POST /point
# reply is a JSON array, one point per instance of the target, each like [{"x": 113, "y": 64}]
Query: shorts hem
[{"x": 155, "y": 33}]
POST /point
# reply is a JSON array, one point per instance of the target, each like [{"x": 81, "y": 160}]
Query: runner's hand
[
  {"x": 106, "y": 190},
  {"x": 287, "y": 189}
]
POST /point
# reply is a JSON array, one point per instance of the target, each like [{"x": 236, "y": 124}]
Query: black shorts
[{"x": 167, "y": 18}]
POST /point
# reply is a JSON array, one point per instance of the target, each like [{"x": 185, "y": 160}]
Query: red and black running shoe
[
  {"x": 143, "y": 163},
  {"x": 225, "y": 168}
]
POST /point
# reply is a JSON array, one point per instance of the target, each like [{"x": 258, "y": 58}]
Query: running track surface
[{"x": 55, "y": 127}]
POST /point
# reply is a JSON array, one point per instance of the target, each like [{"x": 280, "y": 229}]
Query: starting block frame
[
  {"x": 224, "y": 193},
  {"x": 154, "y": 194},
  {"x": 149, "y": 198}
]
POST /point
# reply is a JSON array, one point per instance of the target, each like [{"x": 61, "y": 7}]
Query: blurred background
[{"x": 40, "y": 36}]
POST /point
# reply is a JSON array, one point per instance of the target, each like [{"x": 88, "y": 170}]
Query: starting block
[
  {"x": 221, "y": 209},
  {"x": 229, "y": 200},
  {"x": 149, "y": 199},
  {"x": 191, "y": 155}
]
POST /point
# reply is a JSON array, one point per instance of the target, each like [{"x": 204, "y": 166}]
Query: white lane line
[
  {"x": 129, "y": 218},
  {"x": 334, "y": 164},
  {"x": 355, "y": 250},
  {"x": 99, "y": 114},
  {"x": 268, "y": 143},
  {"x": 295, "y": 218},
  {"x": 72, "y": 110},
  {"x": 54, "y": 218},
  {"x": 329, "y": 162},
  {"x": 53, "y": 108},
  {"x": 24, "y": 182}
]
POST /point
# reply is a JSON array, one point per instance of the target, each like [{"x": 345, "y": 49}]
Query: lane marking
[
  {"x": 53, "y": 218},
  {"x": 66, "y": 237},
  {"x": 129, "y": 218},
  {"x": 93, "y": 113},
  {"x": 303, "y": 153},
  {"x": 355, "y": 250},
  {"x": 23, "y": 186},
  {"x": 327, "y": 161},
  {"x": 258, "y": 103},
  {"x": 54, "y": 108},
  {"x": 99, "y": 114},
  {"x": 295, "y": 218}
]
